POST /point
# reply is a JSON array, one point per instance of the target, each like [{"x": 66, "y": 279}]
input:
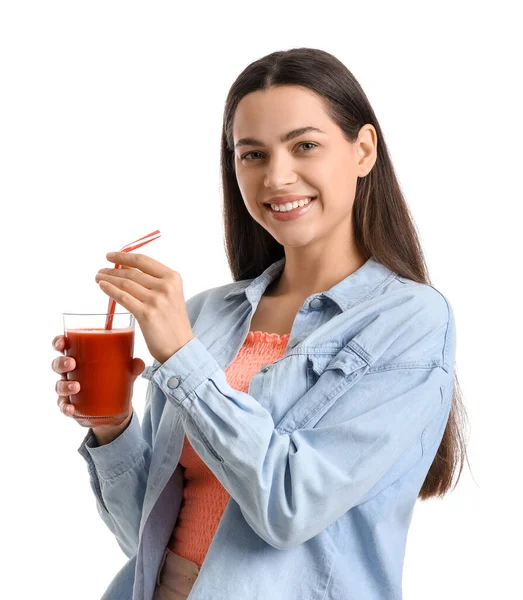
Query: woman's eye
[
  {"x": 256, "y": 152},
  {"x": 248, "y": 154}
]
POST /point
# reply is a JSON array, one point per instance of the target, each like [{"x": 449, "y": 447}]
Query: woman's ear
[{"x": 367, "y": 149}]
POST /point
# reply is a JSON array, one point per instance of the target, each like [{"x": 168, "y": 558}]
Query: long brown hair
[{"x": 383, "y": 226}]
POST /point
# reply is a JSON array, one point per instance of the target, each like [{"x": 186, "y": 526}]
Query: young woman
[{"x": 294, "y": 416}]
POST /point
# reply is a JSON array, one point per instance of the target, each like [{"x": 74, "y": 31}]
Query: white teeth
[{"x": 290, "y": 205}]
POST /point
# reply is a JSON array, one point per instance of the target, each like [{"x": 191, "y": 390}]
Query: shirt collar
[{"x": 357, "y": 286}]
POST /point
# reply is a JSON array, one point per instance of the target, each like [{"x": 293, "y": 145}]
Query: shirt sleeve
[
  {"x": 118, "y": 476},
  {"x": 118, "y": 471},
  {"x": 291, "y": 485}
]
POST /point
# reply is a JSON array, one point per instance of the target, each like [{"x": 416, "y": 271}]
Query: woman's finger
[
  {"x": 59, "y": 343},
  {"x": 62, "y": 365},
  {"x": 127, "y": 285},
  {"x": 123, "y": 298},
  {"x": 65, "y": 406},
  {"x": 143, "y": 262},
  {"x": 65, "y": 387},
  {"x": 147, "y": 281}
]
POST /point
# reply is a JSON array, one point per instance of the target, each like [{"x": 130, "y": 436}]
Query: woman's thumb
[{"x": 138, "y": 367}]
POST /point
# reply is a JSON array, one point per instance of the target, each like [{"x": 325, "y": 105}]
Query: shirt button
[
  {"x": 316, "y": 303},
  {"x": 266, "y": 368},
  {"x": 173, "y": 382}
]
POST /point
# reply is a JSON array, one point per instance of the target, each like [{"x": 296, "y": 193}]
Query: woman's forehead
[{"x": 278, "y": 114}]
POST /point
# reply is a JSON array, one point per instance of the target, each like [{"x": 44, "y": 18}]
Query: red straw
[{"x": 128, "y": 248}]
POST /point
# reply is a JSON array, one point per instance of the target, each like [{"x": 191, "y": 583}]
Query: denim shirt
[{"x": 323, "y": 458}]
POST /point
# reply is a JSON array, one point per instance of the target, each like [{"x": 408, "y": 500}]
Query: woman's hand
[
  {"x": 66, "y": 388},
  {"x": 153, "y": 293}
]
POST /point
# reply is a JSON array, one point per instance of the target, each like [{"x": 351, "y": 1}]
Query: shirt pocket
[
  {"x": 345, "y": 363},
  {"x": 329, "y": 376}
]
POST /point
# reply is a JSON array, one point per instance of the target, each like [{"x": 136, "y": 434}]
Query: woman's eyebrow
[{"x": 247, "y": 141}]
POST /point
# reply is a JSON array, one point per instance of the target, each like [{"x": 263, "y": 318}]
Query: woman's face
[{"x": 315, "y": 163}]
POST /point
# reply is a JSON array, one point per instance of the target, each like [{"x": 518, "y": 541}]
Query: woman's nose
[{"x": 279, "y": 173}]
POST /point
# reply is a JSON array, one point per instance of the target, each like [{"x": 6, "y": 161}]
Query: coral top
[{"x": 204, "y": 497}]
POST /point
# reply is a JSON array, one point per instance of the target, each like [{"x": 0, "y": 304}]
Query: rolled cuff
[
  {"x": 115, "y": 458},
  {"x": 185, "y": 370}
]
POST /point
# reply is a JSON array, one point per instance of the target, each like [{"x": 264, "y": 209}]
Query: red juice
[{"x": 103, "y": 368}]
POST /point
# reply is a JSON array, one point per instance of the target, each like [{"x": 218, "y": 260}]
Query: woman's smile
[{"x": 290, "y": 215}]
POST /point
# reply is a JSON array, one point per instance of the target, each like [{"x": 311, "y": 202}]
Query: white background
[{"x": 110, "y": 122}]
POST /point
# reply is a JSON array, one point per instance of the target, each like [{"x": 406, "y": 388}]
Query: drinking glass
[{"x": 104, "y": 359}]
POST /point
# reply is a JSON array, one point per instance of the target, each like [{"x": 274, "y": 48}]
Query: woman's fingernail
[
  {"x": 66, "y": 364},
  {"x": 71, "y": 386}
]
